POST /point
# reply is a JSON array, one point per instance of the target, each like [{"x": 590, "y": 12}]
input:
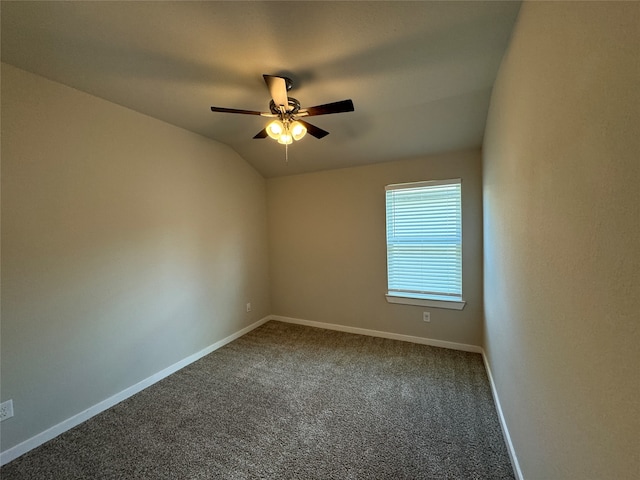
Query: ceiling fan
[{"x": 286, "y": 111}]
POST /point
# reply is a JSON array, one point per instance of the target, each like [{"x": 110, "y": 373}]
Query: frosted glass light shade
[
  {"x": 285, "y": 139},
  {"x": 298, "y": 130},
  {"x": 275, "y": 129}
]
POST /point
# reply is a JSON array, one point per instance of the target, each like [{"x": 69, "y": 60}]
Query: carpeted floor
[{"x": 287, "y": 401}]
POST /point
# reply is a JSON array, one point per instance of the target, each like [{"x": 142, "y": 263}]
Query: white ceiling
[{"x": 419, "y": 73}]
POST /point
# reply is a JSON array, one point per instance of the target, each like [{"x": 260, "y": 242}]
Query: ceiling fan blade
[
  {"x": 235, "y": 110},
  {"x": 313, "y": 130},
  {"x": 335, "y": 107},
  {"x": 261, "y": 134},
  {"x": 278, "y": 89}
]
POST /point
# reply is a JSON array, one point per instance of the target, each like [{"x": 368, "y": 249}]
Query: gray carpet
[{"x": 286, "y": 401}]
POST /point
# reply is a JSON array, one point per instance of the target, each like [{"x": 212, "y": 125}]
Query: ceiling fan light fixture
[
  {"x": 275, "y": 129},
  {"x": 298, "y": 130}
]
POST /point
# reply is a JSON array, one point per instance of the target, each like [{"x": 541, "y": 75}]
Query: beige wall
[
  {"x": 561, "y": 185},
  {"x": 127, "y": 245},
  {"x": 327, "y": 248}
]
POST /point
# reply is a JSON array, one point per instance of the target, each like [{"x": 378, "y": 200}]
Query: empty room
[{"x": 320, "y": 240}]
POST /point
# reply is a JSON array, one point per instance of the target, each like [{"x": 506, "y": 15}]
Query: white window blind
[{"x": 424, "y": 240}]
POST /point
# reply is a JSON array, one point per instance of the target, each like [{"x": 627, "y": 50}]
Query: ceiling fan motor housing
[{"x": 294, "y": 106}]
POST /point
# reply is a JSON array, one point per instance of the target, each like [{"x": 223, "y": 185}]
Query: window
[{"x": 424, "y": 243}]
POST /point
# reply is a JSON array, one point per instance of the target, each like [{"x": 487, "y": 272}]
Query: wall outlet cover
[{"x": 6, "y": 410}]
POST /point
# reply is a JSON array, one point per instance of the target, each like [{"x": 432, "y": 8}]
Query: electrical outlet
[
  {"x": 248, "y": 307},
  {"x": 426, "y": 316},
  {"x": 6, "y": 410}
]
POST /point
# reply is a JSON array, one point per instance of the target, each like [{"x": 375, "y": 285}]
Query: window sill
[{"x": 424, "y": 302}]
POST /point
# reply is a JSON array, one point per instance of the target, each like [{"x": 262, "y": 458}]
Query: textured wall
[
  {"x": 562, "y": 239},
  {"x": 127, "y": 245},
  {"x": 327, "y": 248}
]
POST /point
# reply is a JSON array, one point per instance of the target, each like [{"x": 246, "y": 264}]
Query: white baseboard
[
  {"x": 49, "y": 434},
  {"x": 503, "y": 423},
  {"x": 376, "y": 333}
]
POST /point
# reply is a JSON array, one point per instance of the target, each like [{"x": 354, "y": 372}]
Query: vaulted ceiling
[{"x": 419, "y": 73}]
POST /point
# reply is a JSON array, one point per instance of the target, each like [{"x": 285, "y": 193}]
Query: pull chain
[{"x": 286, "y": 153}]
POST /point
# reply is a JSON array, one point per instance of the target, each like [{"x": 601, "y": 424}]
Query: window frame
[{"x": 423, "y": 299}]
